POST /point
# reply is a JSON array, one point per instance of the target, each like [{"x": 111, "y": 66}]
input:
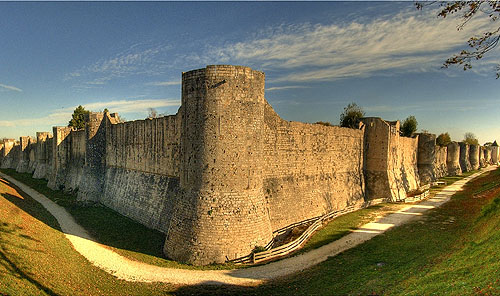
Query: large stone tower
[{"x": 221, "y": 212}]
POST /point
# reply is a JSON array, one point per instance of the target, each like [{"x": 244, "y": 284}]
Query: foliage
[
  {"x": 351, "y": 116},
  {"x": 152, "y": 113},
  {"x": 409, "y": 126},
  {"x": 443, "y": 139},
  {"x": 470, "y": 138},
  {"x": 258, "y": 249},
  {"x": 325, "y": 123},
  {"x": 480, "y": 44},
  {"x": 78, "y": 118}
]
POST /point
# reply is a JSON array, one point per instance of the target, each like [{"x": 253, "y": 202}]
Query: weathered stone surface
[
  {"x": 431, "y": 159},
  {"x": 310, "y": 169},
  {"x": 487, "y": 155},
  {"x": 226, "y": 171},
  {"x": 390, "y": 160},
  {"x": 494, "y": 154},
  {"x": 440, "y": 165},
  {"x": 474, "y": 151},
  {"x": 464, "y": 157},
  {"x": 222, "y": 213},
  {"x": 145, "y": 197},
  {"x": 453, "y": 159}
]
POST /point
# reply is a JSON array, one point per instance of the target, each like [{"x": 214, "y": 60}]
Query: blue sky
[{"x": 318, "y": 57}]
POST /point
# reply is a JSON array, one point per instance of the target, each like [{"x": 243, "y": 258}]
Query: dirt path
[{"x": 130, "y": 270}]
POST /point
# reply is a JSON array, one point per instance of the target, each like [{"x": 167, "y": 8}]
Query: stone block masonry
[
  {"x": 225, "y": 172},
  {"x": 453, "y": 159},
  {"x": 390, "y": 160}
]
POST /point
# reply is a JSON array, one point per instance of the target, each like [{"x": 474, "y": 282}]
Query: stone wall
[
  {"x": 464, "y": 157},
  {"x": 23, "y": 158},
  {"x": 310, "y": 169},
  {"x": 453, "y": 159},
  {"x": 431, "y": 159},
  {"x": 222, "y": 212},
  {"x": 43, "y": 155},
  {"x": 474, "y": 151},
  {"x": 8, "y": 153},
  {"x": 142, "y": 169},
  {"x": 390, "y": 160},
  {"x": 487, "y": 155},
  {"x": 440, "y": 162},
  {"x": 224, "y": 173},
  {"x": 482, "y": 161},
  {"x": 494, "y": 154}
]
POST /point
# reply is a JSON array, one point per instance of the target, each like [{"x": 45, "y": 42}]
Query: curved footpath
[{"x": 130, "y": 270}]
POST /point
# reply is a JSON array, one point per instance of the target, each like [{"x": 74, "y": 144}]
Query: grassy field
[
  {"x": 36, "y": 259},
  {"x": 452, "y": 251},
  {"x": 125, "y": 236},
  {"x": 135, "y": 241}
]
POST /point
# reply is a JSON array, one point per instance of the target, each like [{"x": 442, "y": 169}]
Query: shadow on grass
[
  {"x": 7, "y": 260},
  {"x": 12, "y": 267},
  {"x": 106, "y": 226}
]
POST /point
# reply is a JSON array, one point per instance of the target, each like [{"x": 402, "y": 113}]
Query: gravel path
[{"x": 130, "y": 270}]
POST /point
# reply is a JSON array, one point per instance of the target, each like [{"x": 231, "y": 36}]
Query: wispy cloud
[
  {"x": 138, "y": 59},
  {"x": 128, "y": 106},
  {"x": 285, "y": 87},
  {"x": 10, "y": 87},
  {"x": 62, "y": 116},
  {"x": 164, "y": 83},
  {"x": 408, "y": 41}
]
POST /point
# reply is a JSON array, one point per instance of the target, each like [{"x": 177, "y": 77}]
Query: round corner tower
[{"x": 221, "y": 213}]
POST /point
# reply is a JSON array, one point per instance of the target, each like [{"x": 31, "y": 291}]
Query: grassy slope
[
  {"x": 125, "y": 236},
  {"x": 36, "y": 259},
  {"x": 454, "y": 250},
  {"x": 135, "y": 241}
]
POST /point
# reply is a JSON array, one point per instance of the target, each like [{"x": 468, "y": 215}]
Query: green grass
[
  {"x": 343, "y": 225},
  {"x": 143, "y": 244},
  {"x": 122, "y": 234},
  {"x": 36, "y": 258},
  {"x": 453, "y": 250}
]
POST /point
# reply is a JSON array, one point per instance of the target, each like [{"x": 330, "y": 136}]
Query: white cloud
[
  {"x": 285, "y": 87},
  {"x": 128, "y": 106},
  {"x": 408, "y": 41},
  {"x": 135, "y": 60},
  {"x": 62, "y": 116},
  {"x": 10, "y": 87},
  {"x": 164, "y": 83}
]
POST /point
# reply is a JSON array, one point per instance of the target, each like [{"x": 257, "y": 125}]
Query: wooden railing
[{"x": 283, "y": 250}]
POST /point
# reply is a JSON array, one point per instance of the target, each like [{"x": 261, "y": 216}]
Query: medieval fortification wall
[{"x": 226, "y": 172}]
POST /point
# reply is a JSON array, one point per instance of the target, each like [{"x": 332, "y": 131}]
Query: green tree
[
  {"x": 78, "y": 118},
  {"x": 470, "y": 138},
  {"x": 325, "y": 123},
  {"x": 443, "y": 139},
  {"x": 409, "y": 126},
  {"x": 351, "y": 116},
  {"x": 480, "y": 44}
]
